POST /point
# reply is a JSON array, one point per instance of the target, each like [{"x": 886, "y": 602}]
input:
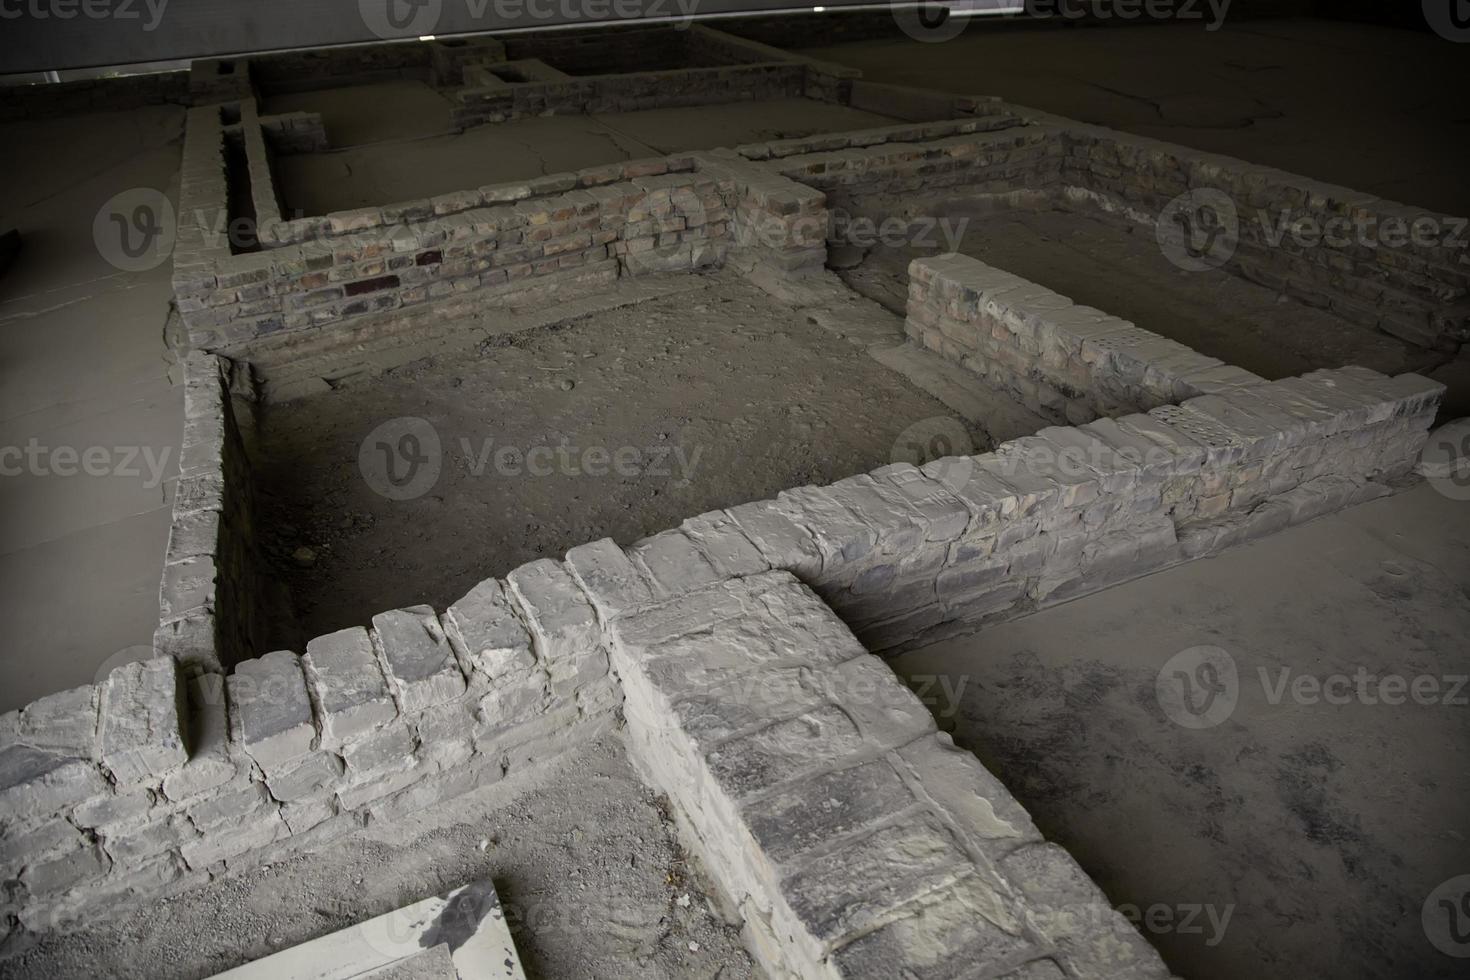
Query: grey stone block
[
  {"x": 307, "y": 777},
  {"x": 64, "y": 723},
  {"x": 59, "y": 874},
  {"x": 784, "y": 751},
  {"x": 609, "y": 578},
  {"x": 347, "y": 684},
  {"x": 115, "y": 810},
  {"x": 784, "y": 543},
  {"x": 231, "y": 808},
  {"x": 212, "y": 761},
  {"x": 206, "y": 851},
  {"x": 390, "y": 747},
  {"x": 417, "y": 658},
  {"x": 725, "y": 545},
  {"x": 673, "y": 563},
  {"x": 271, "y": 709},
  {"x": 50, "y": 839},
  {"x": 562, "y": 622},
  {"x": 143, "y": 706},
  {"x": 977, "y": 803},
  {"x": 856, "y": 886},
  {"x": 967, "y": 929},
  {"x": 489, "y": 635},
  {"x": 796, "y": 818}
]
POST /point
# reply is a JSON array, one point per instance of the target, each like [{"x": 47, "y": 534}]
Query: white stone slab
[{"x": 468, "y": 921}]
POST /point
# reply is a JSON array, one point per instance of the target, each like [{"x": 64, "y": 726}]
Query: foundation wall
[
  {"x": 47, "y": 101},
  {"x": 1365, "y": 260},
  {"x": 629, "y": 92},
  {"x": 1067, "y": 363},
  {"x": 622, "y": 219},
  {"x": 168, "y": 773},
  {"x": 852, "y": 838}
]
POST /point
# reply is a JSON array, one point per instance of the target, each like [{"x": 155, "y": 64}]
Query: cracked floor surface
[{"x": 83, "y": 366}]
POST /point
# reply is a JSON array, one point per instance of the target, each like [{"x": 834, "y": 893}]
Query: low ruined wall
[
  {"x": 49, "y": 100},
  {"x": 851, "y": 837},
  {"x": 629, "y": 92},
  {"x": 621, "y": 219},
  {"x": 776, "y": 225},
  {"x": 156, "y": 779},
  {"x": 216, "y": 594},
  {"x": 1067, "y": 363},
  {"x": 1012, "y": 161},
  {"x": 1378, "y": 263}
]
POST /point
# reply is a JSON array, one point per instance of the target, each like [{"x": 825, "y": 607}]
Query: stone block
[
  {"x": 305, "y": 778},
  {"x": 417, "y": 658},
  {"x": 784, "y": 750},
  {"x": 206, "y": 851},
  {"x": 212, "y": 761},
  {"x": 115, "y": 809},
  {"x": 271, "y": 709},
  {"x": 488, "y": 634},
  {"x": 799, "y": 817},
  {"x": 976, "y": 802},
  {"x": 58, "y": 874},
  {"x": 728, "y": 549},
  {"x": 860, "y": 883},
  {"x": 386, "y": 748},
  {"x": 563, "y": 624},
  {"x": 141, "y": 736},
  {"x": 231, "y": 808},
  {"x": 673, "y": 563},
  {"x": 347, "y": 684},
  {"x": 782, "y": 542},
  {"x": 64, "y": 723},
  {"x": 608, "y": 577}
]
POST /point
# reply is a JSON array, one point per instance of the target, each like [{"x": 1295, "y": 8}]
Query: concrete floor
[
  {"x": 392, "y": 142},
  {"x": 1319, "y": 828},
  {"x": 83, "y": 364},
  {"x": 1372, "y": 108}
]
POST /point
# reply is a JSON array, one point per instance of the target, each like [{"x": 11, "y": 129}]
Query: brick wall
[
  {"x": 620, "y": 219},
  {"x": 49, "y": 100},
  {"x": 628, "y": 92},
  {"x": 1067, "y": 363}
]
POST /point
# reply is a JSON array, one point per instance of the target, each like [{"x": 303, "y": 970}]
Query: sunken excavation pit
[{"x": 486, "y": 459}]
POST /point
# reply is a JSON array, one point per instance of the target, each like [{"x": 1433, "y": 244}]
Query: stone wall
[
  {"x": 155, "y": 780},
  {"x": 620, "y": 219},
  {"x": 1379, "y": 276},
  {"x": 852, "y": 838},
  {"x": 628, "y": 92},
  {"x": 161, "y": 776},
  {"x": 1014, "y": 162},
  {"x": 47, "y": 100},
  {"x": 1067, "y": 363},
  {"x": 216, "y": 592}
]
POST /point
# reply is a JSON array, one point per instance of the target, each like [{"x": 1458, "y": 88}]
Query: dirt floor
[
  {"x": 668, "y": 409},
  {"x": 1299, "y": 837},
  {"x": 392, "y": 142},
  {"x": 587, "y": 863}
]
